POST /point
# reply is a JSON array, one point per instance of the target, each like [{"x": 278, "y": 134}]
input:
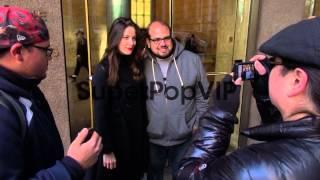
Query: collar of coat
[{"x": 307, "y": 127}]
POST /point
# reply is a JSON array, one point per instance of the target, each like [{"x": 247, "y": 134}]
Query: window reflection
[
  {"x": 208, "y": 28},
  {"x": 76, "y": 66},
  {"x": 141, "y": 12}
]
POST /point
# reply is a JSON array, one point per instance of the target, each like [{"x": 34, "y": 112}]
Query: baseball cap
[
  {"x": 298, "y": 43},
  {"x": 20, "y": 25}
]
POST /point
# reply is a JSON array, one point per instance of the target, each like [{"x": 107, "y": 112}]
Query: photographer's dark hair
[
  {"x": 314, "y": 81},
  {"x": 3, "y": 51},
  {"x": 112, "y": 52}
]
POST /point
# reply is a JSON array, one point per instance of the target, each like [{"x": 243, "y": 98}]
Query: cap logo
[
  {"x": 20, "y": 37},
  {"x": 20, "y": 25}
]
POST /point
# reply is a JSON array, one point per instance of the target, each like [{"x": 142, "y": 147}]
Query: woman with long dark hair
[{"x": 119, "y": 105}]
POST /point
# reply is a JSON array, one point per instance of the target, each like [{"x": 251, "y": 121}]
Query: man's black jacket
[{"x": 38, "y": 155}]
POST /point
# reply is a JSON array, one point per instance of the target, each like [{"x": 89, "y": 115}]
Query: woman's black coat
[{"x": 121, "y": 119}]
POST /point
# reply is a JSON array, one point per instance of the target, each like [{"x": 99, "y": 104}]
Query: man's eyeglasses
[
  {"x": 158, "y": 40},
  {"x": 48, "y": 50}
]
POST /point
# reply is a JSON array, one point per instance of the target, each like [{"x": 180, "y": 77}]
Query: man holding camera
[
  {"x": 31, "y": 147},
  {"x": 291, "y": 148}
]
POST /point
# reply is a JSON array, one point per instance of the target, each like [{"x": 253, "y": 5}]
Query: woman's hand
[{"x": 109, "y": 161}]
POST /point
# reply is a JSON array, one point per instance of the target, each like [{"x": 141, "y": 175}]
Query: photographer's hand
[
  {"x": 260, "y": 83},
  {"x": 261, "y": 69},
  {"x": 268, "y": 112}
]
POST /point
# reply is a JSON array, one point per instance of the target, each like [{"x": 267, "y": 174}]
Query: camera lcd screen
[{"x": 244, "y": 70}]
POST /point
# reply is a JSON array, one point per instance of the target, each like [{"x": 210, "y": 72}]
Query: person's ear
[
  {"x": 299, "y": 82},
  {"x": 15, "y": 51},
  {"x": 148, "y": 43}
]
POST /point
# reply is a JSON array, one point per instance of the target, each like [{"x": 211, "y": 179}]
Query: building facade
[{"x": 221, "y": 31}]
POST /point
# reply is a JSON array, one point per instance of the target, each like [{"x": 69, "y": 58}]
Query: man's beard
[
  {"x": 166, "y": 56},
  {"x": 163, "y": 57}
]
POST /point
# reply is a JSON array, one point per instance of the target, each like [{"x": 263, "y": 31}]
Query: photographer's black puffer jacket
[{"x": 291, "y": 150}]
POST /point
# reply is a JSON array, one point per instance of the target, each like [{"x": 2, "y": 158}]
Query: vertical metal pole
[
  {"x": 89, "y": 61},
  {"x": 309, "y": 8},
  {"x": 171, "y": 14}
]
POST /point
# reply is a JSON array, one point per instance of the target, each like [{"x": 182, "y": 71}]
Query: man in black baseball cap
[
  {"x": 31, "y": 147},
  {"x": 290, "y": 148}
]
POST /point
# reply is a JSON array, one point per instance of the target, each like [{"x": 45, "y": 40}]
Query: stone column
[{"x": 54, "y": 86}]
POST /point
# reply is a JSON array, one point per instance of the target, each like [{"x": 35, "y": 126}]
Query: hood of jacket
[{"x": 15, "y": 84}]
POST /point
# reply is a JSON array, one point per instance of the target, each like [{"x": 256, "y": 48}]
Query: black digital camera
[
  {"x": 245, "y": 70},
  {"x": 90, "y": 132}
]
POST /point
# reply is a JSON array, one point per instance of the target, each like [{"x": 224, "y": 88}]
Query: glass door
[
  {"x": 312, "y": 8},
  {"x": 91, "y": 19},
  {"x": 75, "y": 37},
  {"x": 214, "y": 29}
]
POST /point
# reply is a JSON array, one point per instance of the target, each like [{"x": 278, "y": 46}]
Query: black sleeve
[
  {"x": 209, "y": 143},
  {"x": 74, "y": 168},
  {"x": 101, "y": 99},
  {"x": 143, "y": 103},
  {"x": 268, "y": 112},
  {"x": 11, "y": 143},
  {"x": 212, "y": 138}
]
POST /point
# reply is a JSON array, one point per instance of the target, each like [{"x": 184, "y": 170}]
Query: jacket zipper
[{"x": 165, "y": 94}]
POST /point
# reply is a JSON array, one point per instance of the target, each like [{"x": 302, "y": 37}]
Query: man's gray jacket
[{"x": 175, "y": 104}]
